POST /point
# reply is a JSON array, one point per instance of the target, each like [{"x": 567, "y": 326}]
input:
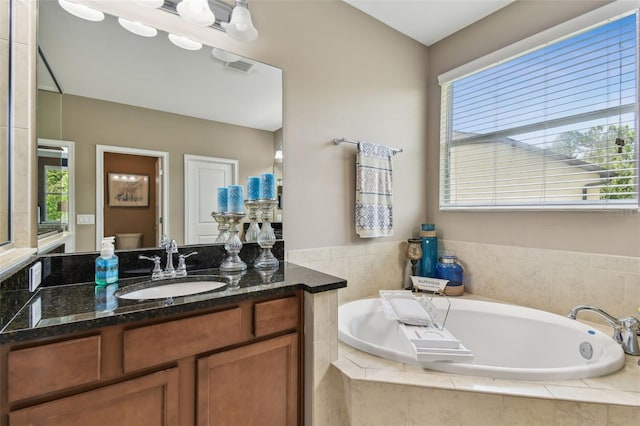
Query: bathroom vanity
[{"x": 233, "y": 356}]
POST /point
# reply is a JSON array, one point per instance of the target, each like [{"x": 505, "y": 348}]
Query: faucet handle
[
  {"x": 181, "y": 270},
  {"x": 184, "y": 256},
  {"x": 157, "y": 273}
]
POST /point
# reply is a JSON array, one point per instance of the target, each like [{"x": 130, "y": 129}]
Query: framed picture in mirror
[{"x": 128, "y": 190}]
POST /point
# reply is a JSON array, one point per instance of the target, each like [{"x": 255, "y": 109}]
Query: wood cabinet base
[
  {"x": 146, "y": 401},
  {"x": 252, "y": 385}
]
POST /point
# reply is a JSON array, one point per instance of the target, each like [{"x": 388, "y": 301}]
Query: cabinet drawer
[
  {"x": 170, "y": 341},
  {"x": 145, "y": 401},
  {"x": 47, "y": 368},
  {"x": 275, "y": 316}
]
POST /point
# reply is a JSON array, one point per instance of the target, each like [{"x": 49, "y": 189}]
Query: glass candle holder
[
  {"x": 266, "y": 237},
  {"x": 254, "y": 230},
  {"x": 233, "y": 245},
  {"x": 223, "y": 227},
  {"x": 414, "y": 253}
]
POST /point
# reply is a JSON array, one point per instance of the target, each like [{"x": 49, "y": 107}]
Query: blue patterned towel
[{"x": 374, "y": 183}]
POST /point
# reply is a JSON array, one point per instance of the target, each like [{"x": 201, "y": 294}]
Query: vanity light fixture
[
  {"x": 150, "y": 3},
  {"x": 184, "y": 42},
  {"x": 240, "y": 27},
  {"x": 81, "y": 11},
  {"x": 196, "y": 11},
  {"x": 138, "y": 28}
]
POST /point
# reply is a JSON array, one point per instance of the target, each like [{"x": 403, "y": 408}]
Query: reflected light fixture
[
  {"x": 184, "y": 42},
  {"x": 81, "y": 11},
  {"x": 278, "y": 157},
  {"x": 150, "y": 3},
  {"x": 196, "y": 11},
  {"x": 240, "y": 27},
  {"x": 138, "y": 28},
  {"x": 224, "y": 56}
]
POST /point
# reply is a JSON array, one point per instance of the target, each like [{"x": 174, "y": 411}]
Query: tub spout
[{"x": 625, "y": 330}]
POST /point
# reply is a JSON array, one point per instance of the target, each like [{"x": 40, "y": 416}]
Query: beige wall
[
  {"x": 345, "y": 75},
  {"x": 90, "y": 122},
  {"x": 594, "y": 232}
]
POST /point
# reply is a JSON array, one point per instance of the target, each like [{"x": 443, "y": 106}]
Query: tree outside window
[{"x": 56, "y": 188}]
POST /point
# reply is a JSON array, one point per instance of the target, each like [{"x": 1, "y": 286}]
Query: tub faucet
[{"x": 625, "y": 330}]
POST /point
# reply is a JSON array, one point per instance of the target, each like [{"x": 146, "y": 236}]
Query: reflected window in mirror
[{"x": 53, "y": 189}]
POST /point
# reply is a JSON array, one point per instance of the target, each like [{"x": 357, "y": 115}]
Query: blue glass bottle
[
  {"x": 429, "y": 250},
  {"x": 449, "y": 269}
]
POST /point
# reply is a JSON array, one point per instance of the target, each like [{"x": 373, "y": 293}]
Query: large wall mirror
[
  {"x": 106, "y": 89},
  {"x": 5, "y": 84}
]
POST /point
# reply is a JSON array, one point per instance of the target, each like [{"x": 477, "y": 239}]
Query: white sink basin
[{"x": 163, "y": 291}]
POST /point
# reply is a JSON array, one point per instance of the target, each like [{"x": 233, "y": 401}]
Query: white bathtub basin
[{"x": 508, "y": 342}]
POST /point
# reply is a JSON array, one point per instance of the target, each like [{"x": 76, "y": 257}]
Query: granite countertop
[{"x": 57, "y": 310}]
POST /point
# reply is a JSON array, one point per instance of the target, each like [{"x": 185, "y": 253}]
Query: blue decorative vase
[{"x": 429, "y": 250}]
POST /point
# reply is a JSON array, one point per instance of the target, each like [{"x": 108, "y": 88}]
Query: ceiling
[{"x": 428, "y": 21}]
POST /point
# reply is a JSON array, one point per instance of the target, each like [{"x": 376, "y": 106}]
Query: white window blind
[{"x": 554, "y": 127}]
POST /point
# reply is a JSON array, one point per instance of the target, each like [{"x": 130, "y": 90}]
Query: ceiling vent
[{"x": 241, "y": 66}]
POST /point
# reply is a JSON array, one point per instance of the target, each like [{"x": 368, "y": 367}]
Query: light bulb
[
  {"x": 138, "y": 28},
  {"x": 196, "y": 11},
  {"x": 240, "y": 27},
  {"x": 184, "y": 42},
  {"x": 81, "y": 11}
]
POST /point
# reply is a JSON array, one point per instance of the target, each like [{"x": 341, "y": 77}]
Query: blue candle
[
  {"x": 253, "y": 188},
  {"x": 223, "y": 200},
  {"x": 236, "y": 198},
  {"x": 268, "y": 186}
]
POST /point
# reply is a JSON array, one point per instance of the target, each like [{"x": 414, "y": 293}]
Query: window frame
[{"x": 566, "y": 30}]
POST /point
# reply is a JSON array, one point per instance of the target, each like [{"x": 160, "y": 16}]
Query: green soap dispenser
[{"x": 107, "y": 263}]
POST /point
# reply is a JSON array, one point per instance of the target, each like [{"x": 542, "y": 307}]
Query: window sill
[{"x": 13, "y": 259}]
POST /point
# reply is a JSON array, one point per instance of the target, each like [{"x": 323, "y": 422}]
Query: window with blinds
[{"x": 554, "y": 127}]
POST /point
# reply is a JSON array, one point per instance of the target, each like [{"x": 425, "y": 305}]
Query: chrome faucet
[
  {"x": 625, "y": 330},
  {"x": 171, "y": 247}
]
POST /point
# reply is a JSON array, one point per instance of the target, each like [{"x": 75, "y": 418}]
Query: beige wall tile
[
  {"x": 379, "y": 404},
  {"x": 24, "y": 14},
  {"x": 450, "y": 408},
  {"x": 551, "y": 280},
  {"x": 528, "y": 412},
  {"x": 4, "y": 82},
  {"x": 579, "y": 414},
  {"x": 308, "y": 255},
  {"x": 623, "y": 416},
  {"x": 4, "y": 20},
  {"x": 631, "y": 295}
]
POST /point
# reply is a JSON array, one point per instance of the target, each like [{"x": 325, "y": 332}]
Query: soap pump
[{"x": 107, "y": 263}]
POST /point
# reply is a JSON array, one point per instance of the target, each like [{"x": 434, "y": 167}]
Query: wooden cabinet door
[
  {"x": 150, "y": 400},
  {"x": 256, "y": 384}
]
